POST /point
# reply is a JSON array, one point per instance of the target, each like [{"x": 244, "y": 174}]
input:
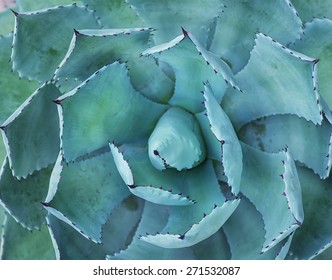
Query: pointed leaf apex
[
  {"x": 185, "y": 33},
  {"x": 77, "y": 33},
  {"x": 15, "y": 13}
]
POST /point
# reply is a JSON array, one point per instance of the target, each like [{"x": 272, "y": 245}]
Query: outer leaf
[
  {"x": 271, "y": 135},
  {"x": 272, "y": 178},
  {"x": 2, "y": 220},
  {"x": 91, "y": 49},
  {"x": 247, "y": 238},
  {"x": 33, "y": 142},
  {"x": 106, "y": 110},
  {"x": 167, "y": 16},
  {"x": 313, "y": 9},
  {"x": 22, "y": 244},
  {"x": 316, "y": 42},
  {"x": 315, "y": 234},
  {"x": 27, "y": 5},
  {"x": 92, "y": 187},
  {"x": 22, "y": 199},
  {"x": 280, "y": 80},
  {"x": 115, "y": 13},
  {"x": 192, "y": 65},
  {"x": 234, "y": 33},
  {"x": 41, "y": 38},
  {"x": 153, "y": 219},
  {"x": 13, "y": 91},
  {"x": 227, "y": 149}
]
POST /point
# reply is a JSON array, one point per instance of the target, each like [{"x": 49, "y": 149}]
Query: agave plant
[{"x": 144, "y": 129}]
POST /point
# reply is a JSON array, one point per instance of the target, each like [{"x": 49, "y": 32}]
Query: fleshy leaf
[
  {"x": 94, "y": 114},
  {"x": 92, "y": 186},
  {"x": 41, "y": 38},
  {"x": 192, "y": 65},
  {"x": 115, "y": 13},
  {"x": 247, "y": 238},
  {"x": 13, "y": 90},
  {"x": 316, "y": 42},
  {"x": 22, "y": 199},
  {"x": 313, "y": 9},
  {"x": 236, "y": 26},
  {"x": 227, "y": 149},
  {"x": 27, "y": 5},
  {"x": 7, "y": 21},
  {"x": 209, "y": 225},
  {"x": 22, "y": 244},
  {"x": 167, "y": 17},
  {"x": 154, "y": 217},
  {"x": 280, "y": 80},
  {"x": 91, "y": 49},
  {"x": 272, "y": 178},
  {"x": 144, "y": 181},
  {"x": 315, "y": 234},
  {"x": 271, "y": 135},
  {"x": 33, "y": 142}
]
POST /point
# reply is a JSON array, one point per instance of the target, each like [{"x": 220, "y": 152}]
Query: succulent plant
[{"x": 144, "y": 129}]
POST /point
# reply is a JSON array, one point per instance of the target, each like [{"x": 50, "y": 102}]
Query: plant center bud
[{"x": 176, "y": 141}]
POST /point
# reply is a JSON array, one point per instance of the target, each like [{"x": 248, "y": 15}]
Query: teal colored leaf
[
  {"x": 311, "y": 9},
  {"x": 154, "y": 217},
  {"x": 2, "y": 221},
  {"x": 215, "y": 247},
  {"x": 33, "y": 142},
  {"x": 28, "y": 5},
  {"x": 7, "y": 21},
  {"x": 325, "y": 255},
  {"x": 209, "y": 225},
  {"x": 176, "y": 142},
  {"x": 13, "y": 90},
  {"x": 41, "y": 38},
  {"x": 98, "y": 111},
  {"x": 22, "y": 198},
  {"x": 245, "y": 238},
  {"x": 168, "y": 17},
  {"x": 316, "y": 42},
  {"x": 272, "y": 178},
  {"x": 314, "y": 236},
  {"x": 91, "y": 49},
  {"x": 280, "y": 80},
  {"x": 271, "y": 135},
  {"x": 236, "y": 27},
  {"x": 21, "y": 244},
  {"x": 115, "y": 13},
  {"x": 193, "y": 65},
  {"x": 227, "y": 149},
  {"x": 92, "y": 187},
  {"x": 145, "y": 181}
]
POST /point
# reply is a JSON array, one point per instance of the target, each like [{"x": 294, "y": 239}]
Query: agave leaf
[
  {"x": 208, "y": 226},
  {"x": 7, "y": 21},
  {"x": 106, "y": 98},
  {"x": 154, "y": 218},
  {"x": 236, "y": 26},
  {"x": 192, "y": 65},
  {"x": 313, "y": 9},
  {"x": 167, "y": 16},
  {"x": 27, "y": 5},
  {"x": 92, "y": 186},
  {"x": 215, "y": 247},
  {"x": 22, "y": 244},
  {"x": 41, "y": 38},
  {"x": 39, "y": 135},
  {"x": 316, "y": 42},
  {"x": 315, "y": 234},
  {"x": 227, "y": 149},
  {"x": 115, "y": 13},
  {"x": 325, "y": 255},
  {"x": 270, "y": 135},
  {"x": 145, "y": 181},
  {"x": 245, "y": 238},
  {"x": 92, "y": 49},
  {"x": 272, "y": 178},
  {"x": 22, "y": 198},
  {"x": 280, "y": 80},
  {"x": 13, "y": 90},
  {"x": 2, "y": 221}
]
